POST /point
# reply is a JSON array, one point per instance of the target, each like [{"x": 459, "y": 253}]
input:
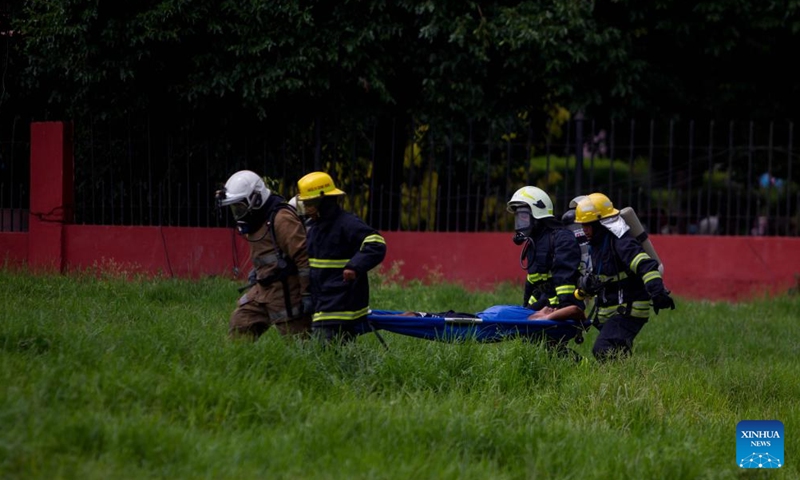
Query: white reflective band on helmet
[{"x": 574, "y": 202}]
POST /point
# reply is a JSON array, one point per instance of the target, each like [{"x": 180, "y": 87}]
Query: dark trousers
[
  {"x": 616, "y": 337},
  {"x": 555, "y": 345},
  {"x": 340, "y": 333}
]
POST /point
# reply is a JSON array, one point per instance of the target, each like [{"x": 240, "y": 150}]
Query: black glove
[
  {"x": 539, "y": 304},
  {"x": 307, "y": 307},
  {"x": 663, "y": 301},
  {"x": 528, "y": 292},
  {"x": 590, "y": 285},
  {"x": 519, "y": 238},
  {"x": 567, "y": 300}
]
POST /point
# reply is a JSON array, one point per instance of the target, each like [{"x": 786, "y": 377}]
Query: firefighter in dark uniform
[
  {"x": 341, "y": 250},
  {"x": 279, "y": 294},
  {"x": 624, "y": 279},
  {"x": 552, "y": 255}
]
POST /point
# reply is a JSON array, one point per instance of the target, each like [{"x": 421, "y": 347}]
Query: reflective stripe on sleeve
[
  {"x": 637, "y": 259},
  {"x": 374, "y": 238},
  {"x": 327, "y": 263},
  {"x": 565, "y": 290},
  {"x": 539, "y": 277},
  {"x": 649, "y": 276}
]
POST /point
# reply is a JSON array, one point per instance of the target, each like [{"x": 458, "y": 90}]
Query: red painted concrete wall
[
  {"x": 13, "y": 248},
  {"x": 697, "y": 267},
  {"x": 52, "y": 194},
  {"x": 169, "y": 251}
]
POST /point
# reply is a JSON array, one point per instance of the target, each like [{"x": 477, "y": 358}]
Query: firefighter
[
  {"x": 551, "y": 251},
  {"x": 342, "y": 249},
  {"x": 568, "y": 220},
  {"x": 551, "y": 256},
  {"x": 624, "y": 278},
  {"x": 279, "y": 294}
]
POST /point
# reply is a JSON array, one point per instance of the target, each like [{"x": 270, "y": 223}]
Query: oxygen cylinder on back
[
  {"x": 568, "y": 220},
  {"x": 586, "y": 259},
  {"x": 637, "y": 230}
]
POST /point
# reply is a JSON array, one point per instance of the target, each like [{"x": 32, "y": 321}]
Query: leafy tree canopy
[{"x": 433, "y": 59}]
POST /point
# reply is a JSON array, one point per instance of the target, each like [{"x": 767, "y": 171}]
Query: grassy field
[{"x": 109, "y": 377}]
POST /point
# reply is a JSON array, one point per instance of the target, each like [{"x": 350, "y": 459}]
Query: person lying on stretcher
[{"x": 571, "y": 312}]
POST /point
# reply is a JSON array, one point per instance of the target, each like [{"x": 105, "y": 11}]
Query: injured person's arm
[{"x": 571, "y": 312}]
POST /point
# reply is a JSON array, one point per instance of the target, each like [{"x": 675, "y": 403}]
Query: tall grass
[{"x": 116, "y": 377}]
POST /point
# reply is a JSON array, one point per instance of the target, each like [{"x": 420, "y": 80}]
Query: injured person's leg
[{"x": 571, "y": 312}]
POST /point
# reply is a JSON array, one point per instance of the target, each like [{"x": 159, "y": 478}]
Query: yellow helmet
[
  {"x": 316, "y": 185},
  {"x": 594, "y": 207}
]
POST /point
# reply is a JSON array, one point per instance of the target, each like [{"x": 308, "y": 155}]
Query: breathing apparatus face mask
[
  {"x": 239, "y": 210},
  {"x": 249, "y": 221},
  {"x": 523, "y": 222}
]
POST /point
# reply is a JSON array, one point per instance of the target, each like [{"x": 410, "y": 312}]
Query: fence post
[
  {"x": 52, "y": 193},
  {"x": 579, "y": 119}
]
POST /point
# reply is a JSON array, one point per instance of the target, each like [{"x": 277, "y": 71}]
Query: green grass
[{"x": 113, "y": 377}]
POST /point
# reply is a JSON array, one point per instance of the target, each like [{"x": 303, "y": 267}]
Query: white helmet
[
  {"x": 535, "y": 198},
  {"x": 245, "y": 191}
]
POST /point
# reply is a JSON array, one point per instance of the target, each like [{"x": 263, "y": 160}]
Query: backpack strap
[{"x": 286, "y": 266}]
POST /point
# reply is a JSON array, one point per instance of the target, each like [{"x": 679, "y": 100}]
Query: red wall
[
  {"x": 697, "y": 267},
  {"x": 170, "y": 251},
  {"x": 13, "y": 248}
]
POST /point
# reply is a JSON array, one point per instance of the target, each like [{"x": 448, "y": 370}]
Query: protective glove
[
  {"x": 307, "y": 306},
  {"x": 590, "y": 285},
  {"x": 539, "y": 304},
  {"x": 527, "y": 295},
  {"x": 519, "y": 238},
  {"x": 663, "y": 301},
  {"x": 567, "y": 300}
]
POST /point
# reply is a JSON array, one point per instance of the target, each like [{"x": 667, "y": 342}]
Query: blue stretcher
[{"x": 494, "y": 324}]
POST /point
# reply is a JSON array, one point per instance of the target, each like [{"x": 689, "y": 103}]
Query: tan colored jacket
[{"x": 290, "y": 234}]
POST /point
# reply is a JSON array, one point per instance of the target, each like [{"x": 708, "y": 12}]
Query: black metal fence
[{"x": 682, "y": 177}]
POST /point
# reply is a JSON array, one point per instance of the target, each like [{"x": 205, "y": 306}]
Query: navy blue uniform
[
  {"x": 339, "y": 241},
  {"x": 553, "y": 269},
  {"x": 631, "y": 278}
]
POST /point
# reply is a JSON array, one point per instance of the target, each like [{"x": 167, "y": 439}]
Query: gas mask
[
  {"x": 524, "y": 224},
  {"x": 243, "y": 227},
  {"x": 247, "y": 220}
]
